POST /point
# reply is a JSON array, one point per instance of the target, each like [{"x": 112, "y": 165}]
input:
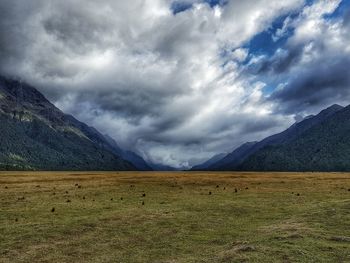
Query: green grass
[{"x": 179, "y": 221}]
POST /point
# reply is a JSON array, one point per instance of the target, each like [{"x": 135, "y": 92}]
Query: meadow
[{"x": 174, "y": 217}]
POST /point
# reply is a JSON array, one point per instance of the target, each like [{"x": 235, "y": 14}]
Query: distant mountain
[
  {"x": 208, "y": 163},
  {"x": 323, "y": 147},
  {"x": 234, "y": 160},
  {"x": 162, "y": 167},
  {"x": 137, "y": 161},
  {"x": 130, "y": 156},
  {"x": 35, "y": 135}
]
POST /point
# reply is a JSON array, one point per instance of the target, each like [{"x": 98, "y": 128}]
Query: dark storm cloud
[
  {"x": 323, "y": 84},
  {"x": 237, "y": 124},
  {"x": 312, "y": 68},
  {"x": 13, "y": 36},
  {"x": 279, "y": 63},
  {"x": 133, "y": 102},
  {"x": 319, "y": 83}
]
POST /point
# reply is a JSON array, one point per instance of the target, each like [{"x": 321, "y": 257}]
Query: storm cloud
[{"x": 173, "y": 80}]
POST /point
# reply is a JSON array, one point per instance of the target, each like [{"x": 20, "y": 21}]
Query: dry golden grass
[{"x": 174, "y": 217}]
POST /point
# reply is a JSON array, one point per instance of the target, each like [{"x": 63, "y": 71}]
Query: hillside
[
  {"x": 324, "y": 147},
  {"x": 209, "y": 162},
  {"x": 130, "y": 156},
  {"x": 234, "y": 160},
  {"x": 35, "y": 135}
]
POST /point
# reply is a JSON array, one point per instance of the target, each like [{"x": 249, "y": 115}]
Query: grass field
[{"x": 174, "y": 217}]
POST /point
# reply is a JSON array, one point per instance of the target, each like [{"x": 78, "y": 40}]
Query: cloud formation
[
  {"x": 312, "y": 67},
  {"x": 178, "y": 87}
]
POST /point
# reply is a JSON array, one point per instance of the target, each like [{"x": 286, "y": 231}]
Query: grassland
[{"x": 174, "y": 217}]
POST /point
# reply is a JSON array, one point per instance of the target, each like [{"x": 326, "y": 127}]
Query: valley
[{"x": 174, "y": 217}]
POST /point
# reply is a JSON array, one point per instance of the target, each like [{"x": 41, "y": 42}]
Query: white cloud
[
  {"x": 281, "y": 32},
  {"x": 312, "y": 67},
  {"x": 155, "y": 81},
  {"x": 311, "y": 22}
]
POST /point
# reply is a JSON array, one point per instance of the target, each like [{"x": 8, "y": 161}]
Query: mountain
[
  {"x": 130, "y": 156},
  {"x": 323, "y": 147},
  {"x": 162, "y": 167},
  {"x": 137, "y": 161},
  {"x": 234, "y": 160},
  {"x": 35, "y": 135},
  {"x": 209, "y": 162}
]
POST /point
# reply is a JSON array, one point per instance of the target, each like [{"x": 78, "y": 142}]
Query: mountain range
[
  {"x": 216, "y": 158},
  {"x": 317, "y": 143},
  {"x": 35, "y": 135}
]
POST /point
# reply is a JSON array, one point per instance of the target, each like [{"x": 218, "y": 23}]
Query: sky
[{"x": 178, "y": 81}]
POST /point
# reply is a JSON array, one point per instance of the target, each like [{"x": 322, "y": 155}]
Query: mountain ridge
[
  {"x": 209, "y": 162},
  {"x": 130, "y": 156},
  {"x": 36, "y": 135},
  {"x": 324, "y": 147},
  {"x": 233, "y": 160}
]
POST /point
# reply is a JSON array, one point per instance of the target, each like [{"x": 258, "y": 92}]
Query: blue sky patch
[
  {"x": 264, "y": 44},
  {"x": 179, "y": 6},
  {"x": 343, "y": 8}
]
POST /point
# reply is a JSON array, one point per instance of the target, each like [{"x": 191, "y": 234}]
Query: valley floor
[{"x": 174, "y": 217}]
